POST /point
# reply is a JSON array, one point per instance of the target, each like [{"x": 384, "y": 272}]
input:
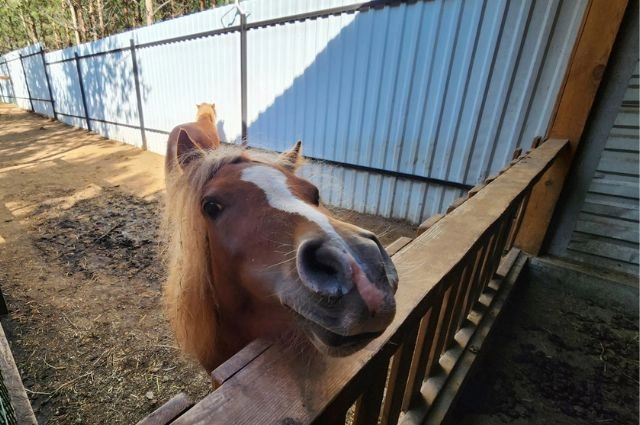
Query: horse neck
[{"x": 206, "y": 117}]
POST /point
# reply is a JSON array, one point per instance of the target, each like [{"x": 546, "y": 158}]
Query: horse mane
[
  {"x": 189, "y": 294},
  {"x": 206, "y": 111}
]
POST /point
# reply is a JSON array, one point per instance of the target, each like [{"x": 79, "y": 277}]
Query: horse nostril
[{"x": 324, "y": 268}]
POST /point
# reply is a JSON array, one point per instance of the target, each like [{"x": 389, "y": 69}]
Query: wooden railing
[{"x": 454, "y": 277}]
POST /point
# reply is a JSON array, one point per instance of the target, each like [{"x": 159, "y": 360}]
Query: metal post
[
  {"x": 46, "y": 74},
  {"x": 138, "y": 94},
  {"x": 26, "y": 81},
  {"x": 84, "y": 100},
  {"x": 243, "y": 73}
]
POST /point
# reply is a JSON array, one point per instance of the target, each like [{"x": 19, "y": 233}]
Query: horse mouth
[
  {"x": 333, "y": 343},
  {"x": 334, "y": 340}
]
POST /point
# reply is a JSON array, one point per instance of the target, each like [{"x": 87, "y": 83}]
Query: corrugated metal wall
[
  {"x": 606, "y": 232},
  {"x": 442, "y": 90}
]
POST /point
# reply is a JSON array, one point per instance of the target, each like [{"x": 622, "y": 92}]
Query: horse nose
[{"x": 325, "y": 268}]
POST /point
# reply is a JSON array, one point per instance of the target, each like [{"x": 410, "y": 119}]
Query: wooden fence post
[
  {"x": 588, "y": 62},
  {"x": 136, "y": 78},
  {"x": 84, "y": 99},
  {"x": 46, "y": 74},
  {"x": 26, "y": 81}
]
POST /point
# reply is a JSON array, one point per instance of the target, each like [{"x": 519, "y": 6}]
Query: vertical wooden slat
[
  {"x": 482, "y": 272},
  {"x": 369, "y": 406},
  {"x": 499, "y": 250},
  {"x": 442, "y": 325},
  {"x": 421, "y": 354},
  {"x": 457, "y": 311},
  {"x": 517, "y": 221},
  {"x": 397, "y": 383},
  {"x": 478, "y": 256}
]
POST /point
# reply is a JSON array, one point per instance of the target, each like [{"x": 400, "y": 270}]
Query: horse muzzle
[{"x": 350, "y": 282}]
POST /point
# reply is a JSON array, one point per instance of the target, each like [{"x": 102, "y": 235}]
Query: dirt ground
[
  {"x": 559, "y": 356},
  {"x": 80, "y": 271}
]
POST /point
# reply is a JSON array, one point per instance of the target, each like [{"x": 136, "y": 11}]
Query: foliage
[{"x": 62, "y": 23}]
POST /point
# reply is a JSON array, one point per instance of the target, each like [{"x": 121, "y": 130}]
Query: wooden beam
[
  {"x": 18, "y": 397},
  {"x": 586, "y": 69}
]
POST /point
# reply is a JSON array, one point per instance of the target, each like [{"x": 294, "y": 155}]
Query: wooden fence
[{"x": 454, "y": 277}]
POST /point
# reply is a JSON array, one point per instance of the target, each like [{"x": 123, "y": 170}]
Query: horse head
[{"x": 255, "y": 254}]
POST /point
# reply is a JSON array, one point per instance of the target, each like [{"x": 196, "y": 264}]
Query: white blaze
[{"x": 274, "y": 185}]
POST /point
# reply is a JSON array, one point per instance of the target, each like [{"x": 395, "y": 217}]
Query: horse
[
  {"x": 202, "y": 131},
  {"x": 252, "y": 253}
]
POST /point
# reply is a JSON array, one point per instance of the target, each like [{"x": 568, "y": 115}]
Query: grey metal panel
[
  {"x": 441, "y": 89},
  {"x": 376, "y": 194},
  {"x": 65, "y": 86}
]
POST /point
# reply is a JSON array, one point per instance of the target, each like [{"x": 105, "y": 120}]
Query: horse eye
[
  {"x": 212, "y": 209},
  {"x": 316, "y": 197}
]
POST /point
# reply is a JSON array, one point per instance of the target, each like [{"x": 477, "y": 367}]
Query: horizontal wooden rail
[{"x": 447, "y": 274}]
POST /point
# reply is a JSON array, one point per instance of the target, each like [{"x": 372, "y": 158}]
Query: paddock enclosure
[{"x": 479, "y": 125}]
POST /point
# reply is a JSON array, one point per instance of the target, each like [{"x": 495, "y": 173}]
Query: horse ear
[
  {"x": 185, "y": 148},
  {"x": 292, "y": 158}
]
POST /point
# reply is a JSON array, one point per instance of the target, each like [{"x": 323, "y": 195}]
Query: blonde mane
[{"x": 189, "y": 295}]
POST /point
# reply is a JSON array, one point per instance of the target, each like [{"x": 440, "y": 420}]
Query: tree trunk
[
  {"x": 148, "y": 4},
  {"x": 92, "y": 21},
  {"x": 28, "y": 30},
  {"x": 82, "y": 27},
  {"x": 100, "y": 7},
  {"x": 74, "y": 21}
]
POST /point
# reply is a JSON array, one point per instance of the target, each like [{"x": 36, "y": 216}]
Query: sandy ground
[{"x": 81, "y": 275}]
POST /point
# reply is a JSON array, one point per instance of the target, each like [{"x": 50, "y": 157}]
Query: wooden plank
[
  {"x": 13, "y": 383},
  {"x": 169, "y": 411},
  {"x": 614, "y": 211},
  {"x": 397, "y": 384},
  {"x": 428, "y": 223},
  {"x": 628, "y": 144},
  {"x": 615, "y": 188},
  {"x": 438, "y": 346},
  {"x": 475, "y": 189},
  {"x": 631, "y": 133},
  {"x": 593, "y": 245},
  {"x": 369, "y": 406},
  {"x": 397, "y": 245},
  {"x": 598, "y": 198},
  {"x": 589, "y": 59},
  {"x": 607, "y": 227},
  {"x": 457, "y": 313},
  {"x": 283, "y": 386},
  {"x": 242, "y": 358},
  {"x": 602, "y": 262},
  {"x": 542, "y": 201},
  {"x": 478, "y": 256},
  {"x": 455, "y": 204},
  {"x": 618, "y": 162},
  {"x": 420, "y": 355}
]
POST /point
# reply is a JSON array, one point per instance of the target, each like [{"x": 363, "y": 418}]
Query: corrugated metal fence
[{"x": 407, "y": 103}]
